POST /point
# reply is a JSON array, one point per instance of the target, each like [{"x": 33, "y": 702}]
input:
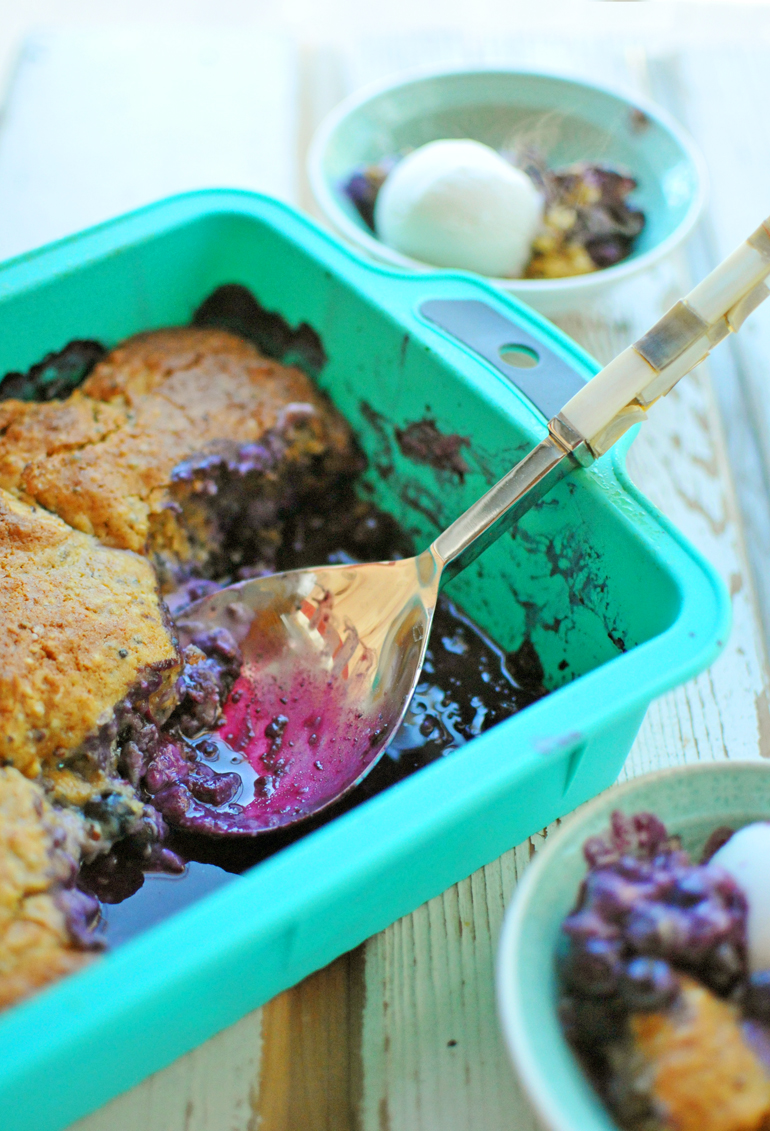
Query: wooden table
[{"x": 401, "y": 1034}]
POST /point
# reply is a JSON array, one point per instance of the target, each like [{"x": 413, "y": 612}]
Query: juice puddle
[{"x": 468, "y": 685}]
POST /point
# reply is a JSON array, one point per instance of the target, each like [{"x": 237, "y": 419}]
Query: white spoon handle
[
  {"x": 619, "y": 395},
  {"x": 616, "y": 398}
]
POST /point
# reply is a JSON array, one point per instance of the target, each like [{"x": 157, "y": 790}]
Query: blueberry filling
[
  {"x": 469, "y": 685},
  {"x": 646, "y": 918},
  {"x": 159, "y": 802},
  {"x": 235, "y": 499}
]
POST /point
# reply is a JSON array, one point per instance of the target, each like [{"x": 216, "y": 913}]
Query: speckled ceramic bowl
[
  {"x": 569, "y": 120},
  {"x": 691, "y": 801}
]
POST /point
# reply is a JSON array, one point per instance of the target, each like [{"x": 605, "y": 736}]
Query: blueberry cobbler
[
  {"x": 176, "y": 461},
  {"x": 665, "y": 977},
  {"x": 185, "y": 460}
]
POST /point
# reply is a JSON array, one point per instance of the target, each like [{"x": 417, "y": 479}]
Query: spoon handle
[
  {"x": 502, "y": 505},
  {"x": 617, "y": 397}
]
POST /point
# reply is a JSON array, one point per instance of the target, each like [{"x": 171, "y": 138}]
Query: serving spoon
[{"x": 332, "y": 655}]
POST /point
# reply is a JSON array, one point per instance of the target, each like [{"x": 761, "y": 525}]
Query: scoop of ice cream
[
  {"x": 460, "y": 204},
  {"x": 746, "y": 856}
]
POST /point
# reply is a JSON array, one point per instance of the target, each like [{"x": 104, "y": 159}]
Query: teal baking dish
[{"x": 618, "y": 606}]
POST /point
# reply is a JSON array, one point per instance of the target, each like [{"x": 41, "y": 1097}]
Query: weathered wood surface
[
  {"x": 126, "y": 118},
  {"x": 402, "y": 1034}
]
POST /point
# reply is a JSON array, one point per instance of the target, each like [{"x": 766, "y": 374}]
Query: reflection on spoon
[{"x": 331, "y": 656}]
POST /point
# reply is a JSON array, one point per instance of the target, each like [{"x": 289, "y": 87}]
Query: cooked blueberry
[
  {"x": 650, "y": 833},
  {"x": 587, "y": 923},
  {"x": 599, "y": 853},
  {"x": 657, "y": 929},
  {"x": 593, "y": 966},
  {"x": 757, "y": 997},
  {"x": 691, "y": 887},
  {"x": 723, "y": 967},
  {"x": 632, "y": 868},
  {"x": 612, "y": 895},
  {"x": 606, "y": 251},
  {"x": 212, "y": 788},
  {"x": 710, "y": 924},
  {"x": 648, "y": 984}
]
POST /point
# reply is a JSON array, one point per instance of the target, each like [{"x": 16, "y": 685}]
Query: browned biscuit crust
[
  {"x": 703, "y": 1076},
  {"x": 35, "y": 944},
  {"x": 81, "y": 623},
  {"x": 123, "y": 469},
  {"x": 103, "y": 459}
]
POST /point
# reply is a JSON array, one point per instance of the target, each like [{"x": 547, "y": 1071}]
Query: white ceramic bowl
[{"x": 571, "y": 119}]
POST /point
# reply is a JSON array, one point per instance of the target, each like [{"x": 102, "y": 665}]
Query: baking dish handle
[{"x": 526, "y": 361}]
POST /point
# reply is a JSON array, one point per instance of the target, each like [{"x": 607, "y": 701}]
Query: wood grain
[
  {"x": 403, "y": 1036},
  {"x": 431, "y": 1050},
  {"x": 209, "y": 1089},
  {"x": 311, "y": 1066},
  {"x": 721, "y": 95}
]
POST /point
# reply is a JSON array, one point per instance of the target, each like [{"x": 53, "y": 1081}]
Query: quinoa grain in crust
[
  {"x": 39, "y": 936},
  {"x": 81, "y": 624}
]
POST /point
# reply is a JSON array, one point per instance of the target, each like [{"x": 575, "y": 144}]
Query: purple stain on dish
[{"x": 424, "y": 443}]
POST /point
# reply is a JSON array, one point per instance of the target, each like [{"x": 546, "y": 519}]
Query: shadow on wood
[{"x": 311, "y": 1067}]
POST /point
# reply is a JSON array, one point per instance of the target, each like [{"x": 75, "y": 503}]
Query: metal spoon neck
[{"x": 502, "y": 505}]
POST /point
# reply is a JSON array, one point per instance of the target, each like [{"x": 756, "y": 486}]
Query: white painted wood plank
[
  {"x": 209, "y": 1089},
  {"x": 433, "y": 1059},
  {"x": 722, "y": 94},
  {"x": 100, "y": 122},
  {"x": 429, "y": 978},
  {"x": 434, "y": 970}
]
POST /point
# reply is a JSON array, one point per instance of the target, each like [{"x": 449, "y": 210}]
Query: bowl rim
[
  {"x": 595, "y": 280},
  {"x": 551, "y": 1109}
]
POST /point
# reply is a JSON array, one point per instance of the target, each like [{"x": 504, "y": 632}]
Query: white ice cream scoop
[
  {"x": 746, "y": 856},
  {"x": 460, "y": 204}
]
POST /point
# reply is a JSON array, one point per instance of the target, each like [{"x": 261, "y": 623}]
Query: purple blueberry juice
[{"x": 210, "y": 783}]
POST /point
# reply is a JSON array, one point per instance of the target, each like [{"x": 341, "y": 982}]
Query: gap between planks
[
  {"x": 311, "y": 1072},
  {"x": 402, "y": 1035}
]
